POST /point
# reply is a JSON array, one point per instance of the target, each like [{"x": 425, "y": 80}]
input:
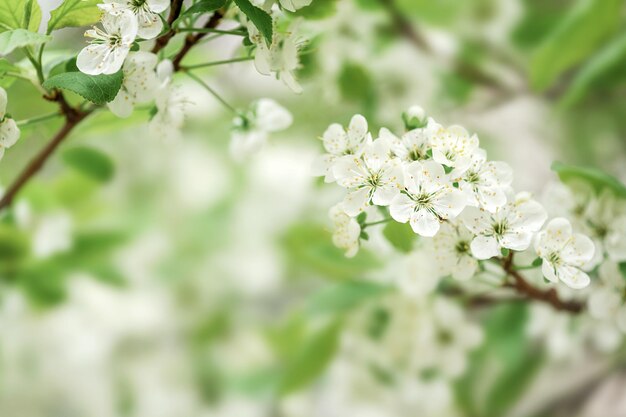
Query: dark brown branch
[
  {"x": 523, "y": 287},
  {"x": 191, "y": 40},
  {"x": 175, "y": 8}
]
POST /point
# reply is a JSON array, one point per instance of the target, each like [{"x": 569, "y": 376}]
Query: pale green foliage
[
  {"x": 99, "y": 89},
  {"x": 74, "y": 13},
  {"x": 19, "y": 38},
  {"x": 15, "y": 14}
]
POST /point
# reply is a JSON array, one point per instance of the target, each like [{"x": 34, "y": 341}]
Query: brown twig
[
  {"x": 74, "y": 115},
  {"x": 549, "y": 296}
]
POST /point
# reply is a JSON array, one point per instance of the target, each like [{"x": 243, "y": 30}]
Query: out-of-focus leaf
[
  {"x": 5, "y": 68},
  {"x": 19, "y": 38},
  {"x": 609, "y": 57},
  {"x": 311, "y": 358},
  {"x": 622, "y": 269},
  {"x": 258, "y": 17},
  {"x": 74, "y": 13},
  {"x": 441, "y": 12},
  {"x": 99, "y": 89},
  {"x": 400, "y": 235},
  {"x": 90, "y": 162},
  {"x": 203, "y": 6},
  {"x": 310, "y": 247},
  {"x": 14, "y": 244},
  {"x": 357, "y": 85},
  {"x": 318, "y": 9},
  {"x": 15, "y": 14},
  {"x": 540, "y": 17},
  {"x": 596, "y": 178},
  {"x": 579, "y": 34},
  {"x": 345, "y": 296}
]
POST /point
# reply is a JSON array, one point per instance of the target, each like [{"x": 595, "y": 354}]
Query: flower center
[
  {"x": 415, "y": 154},
  {"x": 137, "y": 4},
  {"x": 472, "y": 177},
  {"x": 500, "y": 227},
  {"x": 462, "y": 247},
  {"x": 374, "y": 179},
  {"x": 554, "y": 258}
]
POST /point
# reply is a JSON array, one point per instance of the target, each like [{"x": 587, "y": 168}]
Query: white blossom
[
  {"x": 564, "y": 253},
  {"x": 146, "y": 11},
  {"x": 252, "y": 129},
  {"x": 606, "y": 218},
  {"x": 605, "y": 301},
  {"x": 452, "y": 251},
  {"x": 171, "y": 105},
  {"x": 346, "y": 231},
  {"x": 511, "y": 226},
  {"x": 372, "y": 179},
  {"x": 139, "y": 85},
  {"x": 429, "y": 198},
  {"x": 454, "y": 147},
  {"x": 414, "y": 144},
  {"x": 485, "y": 183},
  {"x": 9, "y": 132},
  {"x": 293, "y": 5},
  {"x": 280, "y": 57},
  {"x": 110, "y": 46},
  {"x": 340, "y": 142}
]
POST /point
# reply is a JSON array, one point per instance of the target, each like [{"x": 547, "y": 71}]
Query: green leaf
[
  {"x": 90, "y": 162},
  {"x": 345, "y": 296},
  {"x": 14, "y": 245},
  {"x": 622, "y": 269},
  {"x": 15, "y": 14},
  {"x": 74, "y": 13},
  {"x": 203, "y": 6},
  {"x": 5, "y": 68},
  {"x": 258, "y": 17},
  {"x": 318, "y": 9},
  {"x": 400, "y": 235},
  {"x": 99, "y": 89},
  {"x": 608, "y": 58},
  {"x": 311, "y": 358},
  {"x": 310, "y": 249},
  {"x": 580, "y": 33},
  {"x": 596, "y": 178},
  {"x": 19, "y": 38}
]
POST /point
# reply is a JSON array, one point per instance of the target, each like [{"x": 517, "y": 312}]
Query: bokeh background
[{"x": 182, "y": 284}]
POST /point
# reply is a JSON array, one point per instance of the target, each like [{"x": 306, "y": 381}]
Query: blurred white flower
[
  {"x": 563, "y": 253},
  {"x": 346, "y": 231},
  {"x": 340, "y": 142},
  {"x": 485, "y": 183},
  {"x": 454, "y": 147},
  {"x": 606, "y": 219},
  {"x": 110, "y": 46},
  {"x": 250, "y": 131},
  {"x": 53, "y": 234},
  {"x": 139, "y": 84},
  {"x": 9, "y": 132},
  {"x": 293, "y": 5},
  {"x": 452, "y": 251},
  {"x": 511, "y": 226},
  {"x": 171, "y": 104},
  {"x": 372, "y": 179},
  {"x": 606, "y": 301},
  {"x": 281, "y": 57},
  {"x": 146, "y": 11},
  {"x": 429, "y": 198}
]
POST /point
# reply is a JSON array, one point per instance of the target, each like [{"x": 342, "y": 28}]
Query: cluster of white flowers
[
  {"x": 440, "y": 181},
  {"x": 9, "y": 132}
]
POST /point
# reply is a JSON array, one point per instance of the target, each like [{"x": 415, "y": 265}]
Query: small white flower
[
  {"x": 485, "y": 183},
  {"x": 171, "y": 105},
  {"x": 511, "y": 226},
  {"x": 9, "y": 132},
  {"x": 415, "y": 117},
  {"x": 250, "y": 132},
  {"x": 428, "y": 199},
  {"x": 139, "y": 85},
  {"x": 52, "y": 235},
  {"x": 454, "y": 147},
  {"x": 605, "y": 301},
  {"x": 146, "y": 12},
  {"x": 452, "y": 251},
  {"x": 371, "y": 179},
  {"x": 606, "y": 219},
  {"x": 110, "y": 46},
  {"x": 281, "y": 57},
  {"x": 563, "y": 253},
  {"x": 414, "y": 144},
  {"x": 347, "y": 230},
  {"x": 340, "y": 142}
]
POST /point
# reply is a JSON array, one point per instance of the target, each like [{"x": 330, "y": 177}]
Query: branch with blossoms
[
  {"x": 125, "y": 66},
  {"x": 439, "y": 181}
]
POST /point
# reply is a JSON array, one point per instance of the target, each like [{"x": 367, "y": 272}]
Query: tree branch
[
  {"x": 191, "y": 40},
  {"x": 175, "y": 9},
  {"x": 549, "y": 296}
]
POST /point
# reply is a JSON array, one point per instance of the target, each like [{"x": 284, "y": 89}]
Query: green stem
[
  {"x": 213, "y": 92},
  {"x": 525, "y": 267},
  {"x": 377, "y": 222},
  {"x": 214, "y": 63},
  {"x": 211, "y": 30},
  {"x": 36, "y": 65},
  {"x": 37, "y": 119}
]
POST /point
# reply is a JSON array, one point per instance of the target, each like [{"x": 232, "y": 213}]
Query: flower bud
[{"x": 414, "y": 118}]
